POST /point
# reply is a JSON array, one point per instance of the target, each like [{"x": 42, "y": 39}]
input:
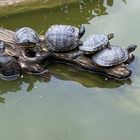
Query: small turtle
[
  {"x": 114, "y": 56},
  {"x": 94, "y": 43},
  {"x": 61, "y": 38},
  {"x": 8, "y": 67},
  {"x": 26, "y": 37}
]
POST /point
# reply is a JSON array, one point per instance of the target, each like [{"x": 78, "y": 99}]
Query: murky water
[{"x": 71, "y": 104}]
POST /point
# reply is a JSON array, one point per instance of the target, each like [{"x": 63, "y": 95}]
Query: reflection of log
[
  {"x": 35, "y": 64},
  {"x": 69, "y": 73}
]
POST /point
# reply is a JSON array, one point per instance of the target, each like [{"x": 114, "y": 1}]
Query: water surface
[{"x": 72, "y": 104}]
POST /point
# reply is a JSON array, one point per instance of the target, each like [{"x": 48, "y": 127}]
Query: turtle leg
[
  {"x": 130, "y": 59},
  {"x": 80, "y": 43},
  {"x": 50, "y": 50},
  {"x": 108, "y": 45},
  {"x": 77, "y": 54},
  {"x": 81, "y": 31}
]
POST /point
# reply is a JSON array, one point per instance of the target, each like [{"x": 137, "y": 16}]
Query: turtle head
[
  {"x": 110, "y": 36},
  {"x": 131, "y": 48},
  {"x": 2, "y": 47},
  {"x": 81, "y": 31}
]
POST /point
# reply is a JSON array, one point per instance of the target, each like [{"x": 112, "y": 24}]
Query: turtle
[
  {"x": 63, "y": 38},
  {"x": 26, "y": 37},
  {"x": 114, "y": 56},
  {"x": 8, "y": 66},
  {"x": 94, "y": 43}
]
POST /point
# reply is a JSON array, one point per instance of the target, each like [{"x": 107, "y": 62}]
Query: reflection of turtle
[
  {"x": 114, "y": 56},
  {"x": 63, "y": 38},
  {"x": 8, "y": 67},
  {"x": 26, "y": 37},
  {"x": 94, "y": 43}
]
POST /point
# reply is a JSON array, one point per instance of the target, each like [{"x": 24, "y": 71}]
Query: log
[{"x": 37, "y": 64}]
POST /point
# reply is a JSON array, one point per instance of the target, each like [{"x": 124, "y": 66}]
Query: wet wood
[{"x": 38, "y": 63}]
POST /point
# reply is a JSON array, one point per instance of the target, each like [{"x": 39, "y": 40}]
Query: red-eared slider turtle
[
  {"x": 94, "y": 43},
  {"x": 61, "y": 38},
  {"x": 8, "y": 66},
  {"x": 114, "y": 56},
  {"x": 26, "y": 37}
]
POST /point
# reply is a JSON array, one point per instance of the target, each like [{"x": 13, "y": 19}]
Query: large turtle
[
  {"x": 26, "y": 37},
  {"x": 94, "y": 43},
  {"x": 62, "y": 38},
  {"x": 8, "y": 67},
  {"x": 114, "y": 56}
]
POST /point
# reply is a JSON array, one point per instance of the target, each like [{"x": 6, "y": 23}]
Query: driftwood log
[{"x": 37, "y": 64}]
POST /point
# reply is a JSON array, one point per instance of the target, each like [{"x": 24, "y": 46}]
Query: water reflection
[
  {"x": 134, "y": 67},
  {"x": 2, "y": 100},
  {"x": 8, "y": 86},
  {"x": 89, "y": 80},
  {"x": 17, "y": 85},
  {"x": 74, "y": 14},
  {"x": 66, "y": 73},
  {"x": 69, "y": 73}
]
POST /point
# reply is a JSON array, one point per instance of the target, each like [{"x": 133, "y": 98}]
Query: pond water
[{"x": 72, "y": 104}]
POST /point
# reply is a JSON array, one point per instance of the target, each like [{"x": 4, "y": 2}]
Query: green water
[{"x": 71, "y": 104}]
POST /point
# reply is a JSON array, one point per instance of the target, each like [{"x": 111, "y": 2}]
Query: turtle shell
[
  {"x": 95, "y": 43},
  {"x": 26, "y": 37},
  {"x": 8, "y": 68},
  {"x": 62, "y": 37},
  {"x": 110, "y": 57}
]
